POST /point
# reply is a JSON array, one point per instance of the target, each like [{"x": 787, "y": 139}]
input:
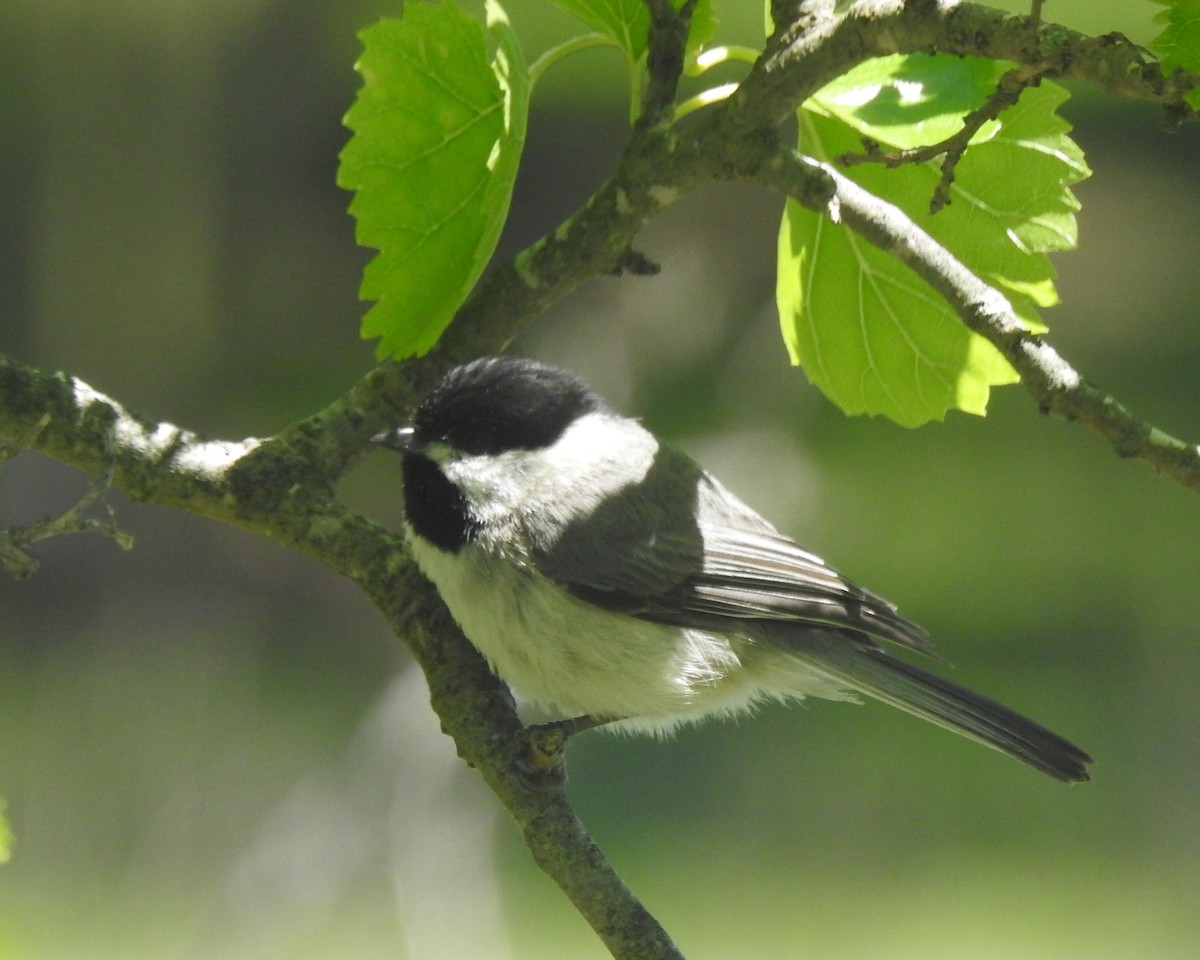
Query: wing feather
[{"x": 677, "y": 548}]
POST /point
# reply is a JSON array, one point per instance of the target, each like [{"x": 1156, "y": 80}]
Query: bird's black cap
[{"x": 495, "y": 404}]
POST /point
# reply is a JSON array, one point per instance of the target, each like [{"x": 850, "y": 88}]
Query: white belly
[{"x": 573, "y": 658}]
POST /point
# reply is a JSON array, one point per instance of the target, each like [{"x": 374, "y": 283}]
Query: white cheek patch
[
  {"x": 597, "y": 455},
  {"x": 493, "y": 484}
]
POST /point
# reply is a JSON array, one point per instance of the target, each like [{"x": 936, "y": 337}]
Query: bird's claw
[{"x": 544, "y": 763}]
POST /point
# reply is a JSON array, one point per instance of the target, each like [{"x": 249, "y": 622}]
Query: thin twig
[
  {"x": 1007, "y": 93},
  {"x": 25, "y": 441},
  {"x": 1035, "y": 14},
  {"x": 14, "y": 556}
]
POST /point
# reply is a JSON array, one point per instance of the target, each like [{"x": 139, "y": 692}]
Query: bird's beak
[{"x": 401, "y": 439}]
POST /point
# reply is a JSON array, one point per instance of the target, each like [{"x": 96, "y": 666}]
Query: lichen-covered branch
[{"x": 817, "y": 45}]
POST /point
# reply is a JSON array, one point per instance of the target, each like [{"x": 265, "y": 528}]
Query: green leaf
[
  {"x": 1179, "y": 43},
  {"x": 867, "y": 330},
  {"x": 438, "y": 132},
  {"x": 873, "y": 336},
  {"x": 627, "y": 22},
  {"x": 910, "y": 101}
]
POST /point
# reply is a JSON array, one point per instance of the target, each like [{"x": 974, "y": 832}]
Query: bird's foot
[{"x": 544, "y": 763}]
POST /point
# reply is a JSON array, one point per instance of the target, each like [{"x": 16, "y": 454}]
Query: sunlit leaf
[
  {"x": 438, "y": 131},
  {"x": 869, "y": 332},
  {"x": 910, "y": 101}
]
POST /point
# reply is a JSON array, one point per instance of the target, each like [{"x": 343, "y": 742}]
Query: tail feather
[{"x": 877, "y": 674}]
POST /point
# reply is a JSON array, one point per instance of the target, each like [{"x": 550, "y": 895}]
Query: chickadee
[{"x": 605, "y": 575}]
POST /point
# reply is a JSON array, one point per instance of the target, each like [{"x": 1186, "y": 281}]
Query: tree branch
[
  {"x": 798, "y": 62},
  {"x": 253, "y": 484},
  {"x": 477, "y": 710}
]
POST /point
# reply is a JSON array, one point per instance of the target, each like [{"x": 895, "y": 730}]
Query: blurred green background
[{"x": 212, "y": 748}]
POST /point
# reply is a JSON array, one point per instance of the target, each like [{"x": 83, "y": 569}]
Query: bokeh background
[{"x": 210, "y": 747}]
